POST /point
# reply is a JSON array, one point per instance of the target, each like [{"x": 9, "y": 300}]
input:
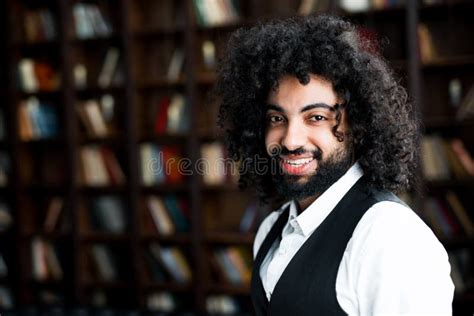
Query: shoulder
[
  {"x": 393, "y": 222},
  {"x": 265, "y": 227},
  {"x": 393, "y": 256},
  {"x": 393, "y": 227}
]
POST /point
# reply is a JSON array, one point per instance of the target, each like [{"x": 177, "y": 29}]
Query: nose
[{"x": 294, "y": 137}]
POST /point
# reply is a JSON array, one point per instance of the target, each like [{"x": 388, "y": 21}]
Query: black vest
[{"x": 308, "y": 284}]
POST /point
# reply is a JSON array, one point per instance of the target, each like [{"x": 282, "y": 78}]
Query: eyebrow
[{"x": 308, "y": 107}]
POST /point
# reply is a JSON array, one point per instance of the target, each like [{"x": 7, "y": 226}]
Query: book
[
  {"x": 460, "y": 212},
  {"x": 235, "y": 257},
  {"x": 115, "y": 173},
  {"x": 3, "y": 267},
  {"x": 107, "y": 214},
  {"x": 37, "y": 120},
  {"x": 104, "y": 262},
  {"x": 466, "y": 108},
  {"x": 89, "y": 21},
  {"x": 208, "y": 49},
  {"x": 162, "y": 220},
  {"x": 177, "y": 115},
  {"x": 174, "y": 261},
  {"x": 6, "y": 219},
  {"x": 248, "y": 222},
  {"x": 38, "y": 257},
  {"x": 52, "y": 262},
  {"x": 231, "y": 273},
  {"x": 146, "y": 161},
  {"x": 426, "y": 47},
  {"x": 222, "y": 305},
  {"x": 6, "y": 298},
  {"x": 176, "y": 65},
  {"x": 157, "y": 272},
  {"x": 174, "y": 170},
  {"x": 100, "y": 24},
  {"x": 80, "y": 76},
  {"x": 355, "y": 6},
  {"x": 174, "y": 209},
  {"x": 55, "y": 207},
  {"x": 161, "y": 301},
  {"x": 91, "y": 116},
  {"x": 28, "y": 81},
  {"x": 214, "y": 171},
  {"x": 307, "y": 7},
  {"x": 213, "y": 13},
  {"x": 109, "y": 67},
  {"x": 94, "y": 170},
  {"x": 440, "y": 156},
  {"x": 48, "y": 25},
  {"x": 161, "y": 117},
  {"x": 46, "y": 76},
  {"x": 465, "y": 158}
]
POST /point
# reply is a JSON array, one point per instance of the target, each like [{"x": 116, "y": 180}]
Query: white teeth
[{"x": 299, "y": 162}]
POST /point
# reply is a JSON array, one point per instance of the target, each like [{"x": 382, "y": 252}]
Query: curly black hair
[{"x": 383, "y": 128}]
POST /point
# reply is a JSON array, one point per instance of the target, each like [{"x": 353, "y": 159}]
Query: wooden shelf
[
  {"x": 447, "y": 123},
  {"x": 228, "y": 289},
  {"x": 47, "y": 283},
  {"x": 150, "y": 34},
  {"x": 42, "y": 94},
  {"x": 112, "y": 140},
  {"x": 42, "y": 189},
  {"x": 100, "y": 40},
  {"x": 167, "y": 286},
  {"x": 170, "y": 139},
  {"x": 223, "y": 187},
  {"x": 98, "y": 190},
  {"x": 44, "y": 142},
  {"x": 178, "y": 238},
  {"x": 160, "y": 84},
  {"x": 46, "y": 235},
  {"x": 43, "y": 44},
  {"x": 164, "y": 188},
  {"x": 111, "y": 285},
  {"x": 96, "y": 90},
  {"x": 103, "y": 237},
  {"x": 450, "y": 183},
  {"x": 449, "y": 62},
  {"x": 139, "y": 87},
  {"x": 230, "y": 238}
]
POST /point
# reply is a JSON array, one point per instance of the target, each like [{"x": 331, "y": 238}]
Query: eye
[
  {"x": 275, "y": 119},
  {"x": 317, "y": 118}
]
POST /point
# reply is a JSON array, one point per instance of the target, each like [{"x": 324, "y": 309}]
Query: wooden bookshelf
[{"x": 148, "y": 35}]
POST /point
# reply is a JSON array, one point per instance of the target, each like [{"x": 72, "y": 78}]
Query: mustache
[{"x": 317, "y": 154}]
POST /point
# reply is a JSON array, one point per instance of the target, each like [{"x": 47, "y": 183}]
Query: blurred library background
[{"x": 92, "y": 91}]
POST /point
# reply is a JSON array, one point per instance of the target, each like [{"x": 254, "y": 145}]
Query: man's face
[{"x": 299, "y": 136}]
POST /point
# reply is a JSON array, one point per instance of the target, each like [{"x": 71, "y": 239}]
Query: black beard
[{"x": 327, "y": 173}]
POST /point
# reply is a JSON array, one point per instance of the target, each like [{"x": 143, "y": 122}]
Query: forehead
[{"x": 293, "y": 95}]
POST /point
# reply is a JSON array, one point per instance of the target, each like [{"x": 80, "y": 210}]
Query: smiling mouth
[
  {"x": 298, "y": 162},
  {"x": 300, "y": 166}
]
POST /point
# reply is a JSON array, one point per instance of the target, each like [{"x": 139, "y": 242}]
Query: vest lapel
[{"x": 259, "y": 297}]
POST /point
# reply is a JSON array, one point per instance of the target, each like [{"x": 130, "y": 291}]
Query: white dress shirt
[{"x": 392, "y": 265}]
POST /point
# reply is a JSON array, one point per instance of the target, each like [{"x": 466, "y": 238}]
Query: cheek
[
  {"x": 272, "y": 140},
  {"x": 325, "y": 140}
]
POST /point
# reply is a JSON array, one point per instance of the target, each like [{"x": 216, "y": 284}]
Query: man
[{"x": 312, "y": 98}]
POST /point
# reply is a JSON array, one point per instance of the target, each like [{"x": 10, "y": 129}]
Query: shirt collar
[{"x": 317, "y": 211}]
